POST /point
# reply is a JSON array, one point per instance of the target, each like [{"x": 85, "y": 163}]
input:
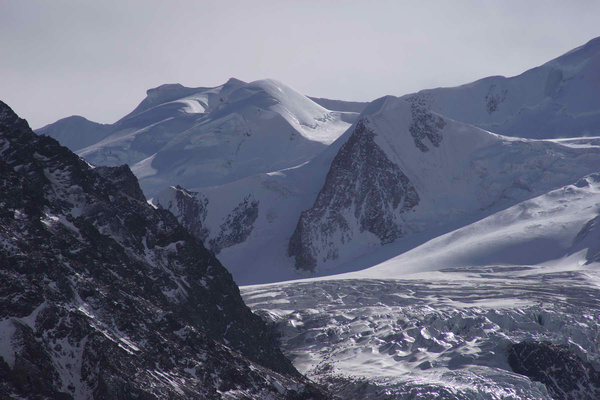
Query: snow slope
[
  {"x": 167, "y": 111},
  {"x": 340, "y": 105},
  {"x": 263, "y": 126},
  {"x": 553, "y": 231},
  {"x": 401, "y": 175},
  {"x": 208, "y": 136},
  {"x": 558, "y": 99}
]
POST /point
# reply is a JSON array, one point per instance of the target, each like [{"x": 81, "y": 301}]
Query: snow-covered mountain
[
  {"x": 102, "y": 296},
  {"x": 443, "y": 260},
  {"x": 556, "y": 100},
  {"x": 209, "y": 136},
  {"x": 400, "y": 172},
  {"x": 166, "y": 111},
  {"x": 76, "y": 132},
  {"x": 340, "y": 105},
  {"x": 263, "y": 126}
]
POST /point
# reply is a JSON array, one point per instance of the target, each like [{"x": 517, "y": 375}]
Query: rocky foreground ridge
[{"x": 104, "y": 297}]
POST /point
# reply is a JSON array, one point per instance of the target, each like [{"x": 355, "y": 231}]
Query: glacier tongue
[{"x": 443, "y": 336}]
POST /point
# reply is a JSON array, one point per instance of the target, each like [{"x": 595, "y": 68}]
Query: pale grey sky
[{"x": 97, "y": 58}]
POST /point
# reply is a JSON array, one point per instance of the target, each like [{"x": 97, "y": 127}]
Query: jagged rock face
[
  {"x": 424, "y": 124},
  {"x": 238, "y": 225},
  {"x": 362, "y": 187},
  {"x": 102, "y": 296},
  {"x": 565, "y": 374},
  {"x": 191, "y": 208}
]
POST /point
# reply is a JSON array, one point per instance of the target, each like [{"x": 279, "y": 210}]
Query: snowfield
[{"x": 198, "y": 137}]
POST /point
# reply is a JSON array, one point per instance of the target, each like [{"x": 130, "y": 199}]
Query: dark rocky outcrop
[
  {"x": 103, "y": 296},
  {"x": 191, "y": 208},
  {"x": 565, "y": 374},
  {"x": 424, "y": 124},
  {"x": 191, "y": 211},
  {"x": 237, "y": 226}
]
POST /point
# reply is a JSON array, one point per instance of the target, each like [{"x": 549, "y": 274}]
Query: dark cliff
[{"x": 103, "y": 296}]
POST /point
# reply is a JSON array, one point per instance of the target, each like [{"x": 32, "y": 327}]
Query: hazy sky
[{"x": 97, "y": 58}]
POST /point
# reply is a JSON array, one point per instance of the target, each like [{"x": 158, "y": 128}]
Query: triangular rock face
[
  {"x": 404, "y": 169},
  {"x": 363, "y": 187},
  {"x": 102, "y": 296}
]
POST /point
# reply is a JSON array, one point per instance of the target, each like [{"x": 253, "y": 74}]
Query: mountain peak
[
  {"x": 167, "y": 87},
  {"x": 268, "y": 93},
  {"x": 9, "y": 118},
  {"x": 165, "y": 93},
  {"x": 378, "y": 105},
  {"x": 234, "y": 81}
]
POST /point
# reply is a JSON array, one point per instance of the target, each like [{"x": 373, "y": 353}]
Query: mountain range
[
  {"x": 447, "y": 242},
  {"x": 209, "y": 136},
  {"x": 257, "y": 168}
]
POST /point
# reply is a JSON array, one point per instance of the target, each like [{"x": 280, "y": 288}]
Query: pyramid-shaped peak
[
  {"x": 8, "y": 118},
  {"x": 234, "y": 81}
]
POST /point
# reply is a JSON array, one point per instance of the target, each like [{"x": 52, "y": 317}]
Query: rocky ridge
[{"x": 105, "y": 297}]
